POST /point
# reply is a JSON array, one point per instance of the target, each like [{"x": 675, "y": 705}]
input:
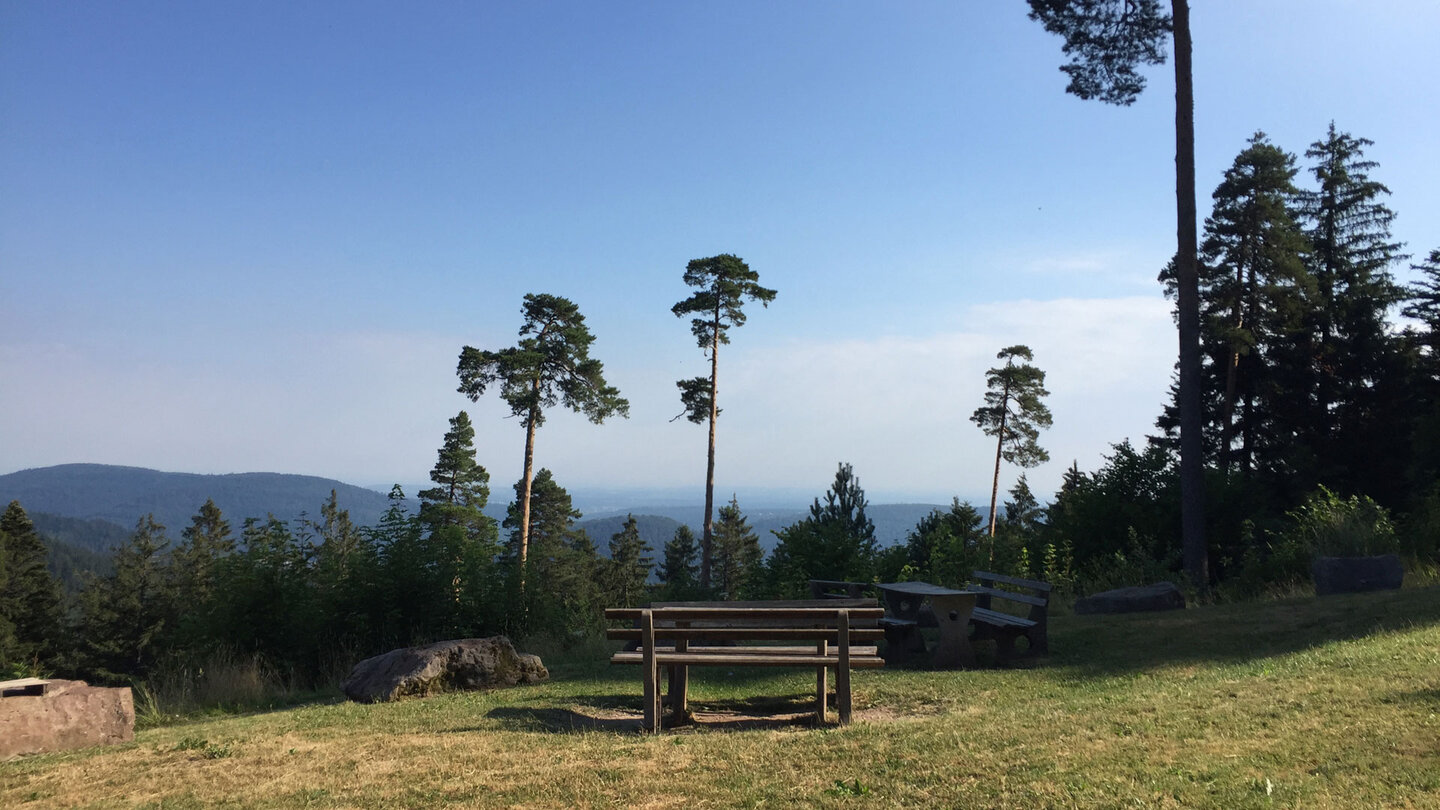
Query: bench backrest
[
  {"x": 1038, "y": 597},
  {"x": 837, "y": 589}
]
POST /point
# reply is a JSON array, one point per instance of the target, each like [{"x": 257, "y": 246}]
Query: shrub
[{"x": 1330, "y": 526}]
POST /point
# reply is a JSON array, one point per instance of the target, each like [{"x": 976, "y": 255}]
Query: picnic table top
[{"x": 920, "y": 589}]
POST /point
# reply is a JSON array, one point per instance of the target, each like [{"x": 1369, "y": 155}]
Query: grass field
[{"x": 1295, "y": 703}]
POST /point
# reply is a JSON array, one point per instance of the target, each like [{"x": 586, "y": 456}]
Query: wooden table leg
[
  {"x": 822, "y": 683},
  {"x": 680, "y": 686},
  {"x": 952, "y": 612}
]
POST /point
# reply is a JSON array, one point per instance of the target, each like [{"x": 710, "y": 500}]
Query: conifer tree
[
  {"x": 629, "y": 565},
  {"x": 30, "y": 614},
  {"x": 462, "y": 487},
  {"x": 1352, "y": 253},
  {"x": 680, "y": 566},
  {"x": 737, "y": 554},
  {"x": 1023, "y": 513},
  {"x": 1014, "y": 412},
  {"x": 835, "y": 541},
  {"x": 126, "y": 615},
  {"x": 723, "y": 284},
  {"x": 1254, "y": 292},
  {"x": 550, "y": 365},
  {"x": 944, "y": 547},
  {"x": 562, "y": 589}
]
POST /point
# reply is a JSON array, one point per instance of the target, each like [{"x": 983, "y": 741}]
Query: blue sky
[{"x": 254, "y": 236}]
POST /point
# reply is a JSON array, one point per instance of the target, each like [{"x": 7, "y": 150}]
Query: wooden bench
[
  {"x": 1003, "y": 627},
  {"x": 723, "y": 634}
]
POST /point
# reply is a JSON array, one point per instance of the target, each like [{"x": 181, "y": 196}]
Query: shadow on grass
[
  {"x": 622, "y": 714},
  {"x": 1103, "y": 646}
]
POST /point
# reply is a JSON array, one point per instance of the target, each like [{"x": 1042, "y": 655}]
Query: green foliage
[
  {"x": 1332, "y": 526},
  {"x": 462, "y": 487},
  {"x": 550, "y": 365},
  {"x": 679, "y": 568},
  {"x": 1106, "y": 41},
  {"x": 629, "y": 566},
  {"x": 723, "y": 283},
  {"x": 562, "y": 596},
  {"x": 737, "y": 569},
  {"x": 1132, "y": 502},
  {"x": 124, "y": 617},
  {"x": 836, "y": 541},
  {"x": 30, "y": 607},
  {"x": 945, "y": 546}
]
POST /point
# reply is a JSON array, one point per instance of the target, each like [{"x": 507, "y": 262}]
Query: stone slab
[{"x": 70, "y": 714}]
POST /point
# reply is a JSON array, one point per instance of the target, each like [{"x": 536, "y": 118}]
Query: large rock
[
  {"x": 445, "y": 666},
  {"x": 1354, "y": 574},
  {"x": 1160, "y": 596},
  {"x": 43, "y": 716}
]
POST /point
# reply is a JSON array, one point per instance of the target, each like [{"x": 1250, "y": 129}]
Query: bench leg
[
  {"x": 842, "y": 671},
  {"x": 822, "y": 683},
  {"x": 679, "y": 692},
  {"x": 651, "y": 695}
]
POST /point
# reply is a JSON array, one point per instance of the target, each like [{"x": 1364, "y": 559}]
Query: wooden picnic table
[{"x": 952, "y": 610}]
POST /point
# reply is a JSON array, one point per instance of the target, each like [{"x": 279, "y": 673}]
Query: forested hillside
[{"x": 122, "y": 495}]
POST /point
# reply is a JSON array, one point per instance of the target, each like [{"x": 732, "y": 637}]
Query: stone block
[
  {"x": 60, "y": 715},
  {"x": 1160, "y": 596}
]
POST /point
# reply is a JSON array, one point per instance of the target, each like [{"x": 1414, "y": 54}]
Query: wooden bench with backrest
[
  {"x": 821, "y": 634},
  {"x": 1004, "y": 627}
]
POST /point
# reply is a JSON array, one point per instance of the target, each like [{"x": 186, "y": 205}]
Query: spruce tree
[
  {"x": 680, "y": 565},
  {"x": 737, "y": 554},
  {"x": 1254, "y": 292},
  {"x": 629, "y": 565},
  {"x": 562, "y": 589},
  {"x": 462, "y": 487},
  {"x": 723, "y": 284},
  {"x": 30, "y": 611},
  {"x": 125, "y": 617},
  {"x": 1351, "y": 256}
]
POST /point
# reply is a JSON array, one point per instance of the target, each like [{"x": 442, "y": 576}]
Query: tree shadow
[
  {"x": 1108, "y": 646},
  {"x": 624, "y": 713}
]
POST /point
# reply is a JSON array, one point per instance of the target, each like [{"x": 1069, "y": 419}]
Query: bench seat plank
[
  {"x": 748, "y": 633},
  {"x": 746, "y": 660},
  {"x": 813, "y": 614},
  {"x": 778, "y": 650}
]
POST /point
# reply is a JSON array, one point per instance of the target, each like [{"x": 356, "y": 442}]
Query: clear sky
[{"x": 254, "y": 236}]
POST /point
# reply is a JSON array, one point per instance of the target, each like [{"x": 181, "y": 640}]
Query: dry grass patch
[{"x": 1301, "y": 703}]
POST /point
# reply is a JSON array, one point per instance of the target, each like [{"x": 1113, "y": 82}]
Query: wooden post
[
  {"x": 842, "y": 671},
  {"x": 680, "y": 681},
  {"x": 652, "y": 686},
  {"x": 822, "y": 683}
]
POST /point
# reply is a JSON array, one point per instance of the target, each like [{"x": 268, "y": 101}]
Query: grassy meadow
[{"x": 1290, "y": 703}]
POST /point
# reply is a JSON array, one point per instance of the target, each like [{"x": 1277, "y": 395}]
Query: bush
[{"x": 1331, "y": 526}]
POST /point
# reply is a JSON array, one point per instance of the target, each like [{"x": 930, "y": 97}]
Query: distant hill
[
  {"x": 892, "y": 521},
  {"x": 656, "y": 530},
  {"x": 122, "y": 495}
]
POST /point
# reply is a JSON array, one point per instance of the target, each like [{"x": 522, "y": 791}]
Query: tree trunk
[
  {"x": 708, "y": 533},
  {"x": 525, "y": 489},
  {"x": 1192, "y": 462},
  {"x": 999, "y": 447}
]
